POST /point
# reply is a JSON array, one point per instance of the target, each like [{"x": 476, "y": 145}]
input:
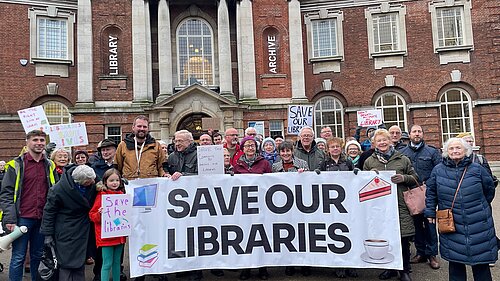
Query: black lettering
[
  {"x": 286, "y": 240},
  {"x": 235, "y": 243},
  {"x": 337, "y": 201},
  {"x": 246, "y": 200},
  {"x": 302, "y": 237},
  {"x": 314, "y": 238},
  {"x": 269, "y": 199},
  {"x": 190, "y": 242},
  {"x": 172, "y": 253},
  {"x": 341, "y": 238},
  {"x": 300, "y": 202},
  {"x": 253, "y": 242},
  {"x": 197, "y": 205},
  {"x": 227, "y": 210},
  {"x": 210, "y": 240},
  {"x": 178, "y": 203}
]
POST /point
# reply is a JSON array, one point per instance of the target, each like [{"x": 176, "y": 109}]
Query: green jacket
[
  {"x": 402, "y": 165},
  {"x": 12, "y": 186}
]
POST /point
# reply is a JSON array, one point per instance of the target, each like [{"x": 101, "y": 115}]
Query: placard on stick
[
  {"x": 210, "y": 123},
  {"x": 210, "y": 159},
  {"x": 68, "y": 135},
  {"x": 367, "y": 118},
  {"x": 115, "y": 216},
  {"x": 34, "y": 118}
]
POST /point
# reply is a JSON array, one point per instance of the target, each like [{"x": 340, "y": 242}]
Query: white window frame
[
  {"x": 280, "y": 125},
  {"x": 400, "y": 105},
  {"x": 392, "y": 58},
  {"x": 338, "y": 106},
  {"x": 327, "y": 63},
  {"x": 106, "y": 132},
  {"x": 212, "y": 42},
  {"x": 443, "y": 99},
  {"x": 54, "y": 13},
  {"x": 63, "y": 113},
  {"x": 457, "y": 53}
]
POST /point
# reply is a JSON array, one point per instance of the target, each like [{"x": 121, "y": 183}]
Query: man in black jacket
[{"x": 423, "y": 158}]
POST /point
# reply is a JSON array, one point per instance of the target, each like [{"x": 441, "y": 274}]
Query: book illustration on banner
[
  {"x": 145, "y": 197},
  {"x": 148, "y": 255},
  {"x": 376, "y": 188},
  {"x": 377, "y": 251}
]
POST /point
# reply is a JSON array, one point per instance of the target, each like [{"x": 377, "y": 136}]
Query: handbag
[
  {"x": 415, "y": 199},
  {"x": 444, "y": 218},
  {"x": 47, "y": 270}
]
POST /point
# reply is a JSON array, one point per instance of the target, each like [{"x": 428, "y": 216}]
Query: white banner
[{"x": 335, "y": 219}]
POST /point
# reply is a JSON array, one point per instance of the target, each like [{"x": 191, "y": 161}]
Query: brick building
[{"x": 428, "y": 62}]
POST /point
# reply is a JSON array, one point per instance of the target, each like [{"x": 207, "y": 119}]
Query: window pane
[
  {"x": 393, "y": 110},
  {"x": 455, "y": 113},
  {"x": 57, "y": 113},
  {"x": 52, "y": 38},
  {"x": 329, "y": 112},
  {"x": 195, "y": 53},
  {"x": 324, "y": 37},
  {"x": 450, "y": 29}
]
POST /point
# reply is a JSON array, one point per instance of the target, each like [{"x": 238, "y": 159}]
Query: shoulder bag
[
  {"x": 415, "y": 198},
  {"x": 444, "y": 218}
]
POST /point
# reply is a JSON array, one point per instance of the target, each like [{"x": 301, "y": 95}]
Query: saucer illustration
[{"x": 387, "y": 259}]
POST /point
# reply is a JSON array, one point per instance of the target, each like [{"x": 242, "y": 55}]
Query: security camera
[{"x": 23, "y": 62}]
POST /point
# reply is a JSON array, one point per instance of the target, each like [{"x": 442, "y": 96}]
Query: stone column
[
  {"x": 149, "y": 56},
  {"x": 84, "y": 51},
  {"x": 139, "y": 52},
  {"x": 296, "y": 51},
  {"x": 225, "y": 76},
  {"x": 164, "y": 51},
  {"x": 246, "y": 51}
]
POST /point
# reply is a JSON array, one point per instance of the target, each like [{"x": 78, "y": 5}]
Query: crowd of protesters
[{"x": 57, "y": 195}]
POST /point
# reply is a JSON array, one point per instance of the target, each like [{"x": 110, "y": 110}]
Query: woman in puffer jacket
[{"x": 473, "y": 242}]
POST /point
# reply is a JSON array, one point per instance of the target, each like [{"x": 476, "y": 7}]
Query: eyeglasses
[
  {"x": 249, "y": 146},
  {"x": 179, "y": 141},
  {"x": 252, "y": 134},
  {"x": 232, "y": 135},
  {"x": 306, "y": 136}
]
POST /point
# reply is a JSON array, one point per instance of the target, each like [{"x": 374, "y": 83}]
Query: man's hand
[
  {"x": 49, "y": 240},
  {"x": 431, "y": 220},
  {"x": 397, "y": 178},
  {"x": 176, "y": 176},
  {"x": 10, "y": 226}
]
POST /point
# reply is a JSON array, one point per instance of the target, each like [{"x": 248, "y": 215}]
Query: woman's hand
[
  {"x": 301, "y": 170},
  {"x": 397, "y": 178},
  {"x": 431, "y": 220},
  {"x": 100, "y": 210}
]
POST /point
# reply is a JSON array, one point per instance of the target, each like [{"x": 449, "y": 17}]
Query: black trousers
[{"x": 457, "y": 272}]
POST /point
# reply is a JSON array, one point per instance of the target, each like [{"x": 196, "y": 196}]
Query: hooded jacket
[
  {"x": 151, "y": 159},
  {"x": 474, "y": 241},
  {"x": 66, "y": 219}
]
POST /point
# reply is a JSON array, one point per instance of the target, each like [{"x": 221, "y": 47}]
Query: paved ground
[{"x": 421, "y": 272}]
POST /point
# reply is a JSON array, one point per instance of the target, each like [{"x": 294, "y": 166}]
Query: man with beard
[
  {"x": 139, "y": 155},
  {"x": 423, "y": 158},
  {"x": 25, "y": 185},
  {"x": 232, "y": 145}
]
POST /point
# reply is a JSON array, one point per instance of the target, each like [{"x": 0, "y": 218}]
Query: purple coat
[{"x": 260, "y": 166}]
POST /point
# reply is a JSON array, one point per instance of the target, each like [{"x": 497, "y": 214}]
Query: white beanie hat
[{"x": 352, "y": 142}]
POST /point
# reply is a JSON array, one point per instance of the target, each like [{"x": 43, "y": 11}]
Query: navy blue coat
[
  {"x": 474, "y": 241},
  {"x": 424, "y": 159}
]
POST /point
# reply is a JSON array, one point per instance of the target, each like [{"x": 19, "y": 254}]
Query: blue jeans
[
  {"x": 19, "y": 247},
  {"x": 426, "y": 240}
]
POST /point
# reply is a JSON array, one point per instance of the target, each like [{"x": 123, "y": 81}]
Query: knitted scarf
[{"x": 384, "y": 157}]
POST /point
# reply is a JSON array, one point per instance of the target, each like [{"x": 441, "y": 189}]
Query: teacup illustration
[{"x": 377, "y": 249}]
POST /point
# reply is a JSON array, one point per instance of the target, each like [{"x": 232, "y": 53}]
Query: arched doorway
[{"x": 192, "y": 123}]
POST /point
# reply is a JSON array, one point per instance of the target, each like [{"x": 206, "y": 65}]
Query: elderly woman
[
  {"x": 251, "y": 162},
  {"x": 269, "y": 151},
  {"x": 385, "y": 157},
  {"x": 66, "y": 222},
  {"x": 473, "y": 242},
  {"x": 353, "y": 152},
  {"x": 61, "y": 158},
  {"x": 335, "y": 160},
  {"x": 321, "y": 144}
]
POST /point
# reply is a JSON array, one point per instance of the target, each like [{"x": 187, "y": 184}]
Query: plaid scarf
[{"x": 384, "y": 157}]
